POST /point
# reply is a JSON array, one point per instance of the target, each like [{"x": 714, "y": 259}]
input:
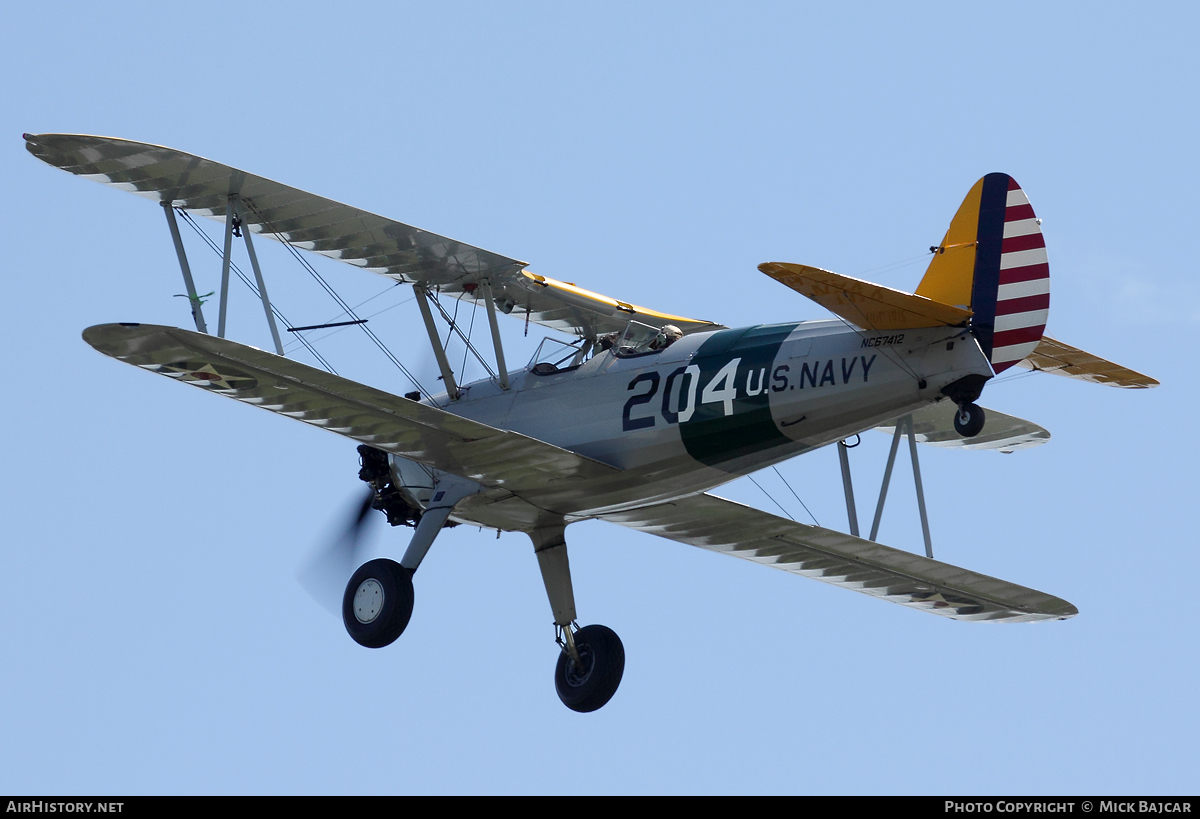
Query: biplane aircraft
[{"x": 638, "y": 419}]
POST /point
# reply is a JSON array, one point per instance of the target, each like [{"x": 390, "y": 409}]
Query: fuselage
[{"x": 714, "y": 406}]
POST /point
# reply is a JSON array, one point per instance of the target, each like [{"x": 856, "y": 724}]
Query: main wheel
[
  {"x": 378, "y": 603},
  {"x": 968, "y": 421},
  {"x": 587, "y": 687}
]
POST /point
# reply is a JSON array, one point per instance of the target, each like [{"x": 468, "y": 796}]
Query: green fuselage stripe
[{"x": 711, "y": 436}]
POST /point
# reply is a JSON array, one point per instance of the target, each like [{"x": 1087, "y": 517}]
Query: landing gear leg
[
  {"x": 378, "y": 601},
  {"x": 592, "y": 660}
]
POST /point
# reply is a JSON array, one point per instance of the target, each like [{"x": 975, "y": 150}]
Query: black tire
[
  {"x": 969, "y": 420},
  {"x": 377, "y": 616},
  {"x": 588, "y": 689}
]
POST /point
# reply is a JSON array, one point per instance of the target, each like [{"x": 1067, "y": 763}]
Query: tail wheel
[
  {"x": 378, "y": 603},
  {"x": 586, "y": 686},
  {"x": 969, "y": 420}
]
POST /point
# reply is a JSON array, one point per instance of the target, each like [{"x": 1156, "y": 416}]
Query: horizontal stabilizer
[
  {"x": 935, "y": 425},
  {"x": 863, "y": 304},
  {"x": 833, "y": 557},
  {"x": 1053, "y": 356}
]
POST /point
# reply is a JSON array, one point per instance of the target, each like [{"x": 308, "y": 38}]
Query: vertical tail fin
[{"x": 993, "y": 260}]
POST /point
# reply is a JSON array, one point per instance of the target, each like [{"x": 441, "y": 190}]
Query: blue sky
[{"x": 154, "y": 637}]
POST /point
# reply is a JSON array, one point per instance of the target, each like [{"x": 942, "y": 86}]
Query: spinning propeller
[{"x": 326, "y": 573}]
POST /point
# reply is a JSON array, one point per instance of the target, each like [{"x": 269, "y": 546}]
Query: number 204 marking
[{"x": 720, "y": 389}]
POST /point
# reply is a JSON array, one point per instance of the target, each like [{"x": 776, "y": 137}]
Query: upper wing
[
  {"x": 428, "y": 435},
  {"x": 866, "y": 305},
  {"x": 309, "y": 222},
  {"x": 1053, "y": 356},
  {"x": 901, "y": 577},
  {"x": 1007, "y": 433}
]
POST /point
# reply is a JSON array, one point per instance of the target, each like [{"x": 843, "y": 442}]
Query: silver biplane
[{"x": 638, "y": 419}]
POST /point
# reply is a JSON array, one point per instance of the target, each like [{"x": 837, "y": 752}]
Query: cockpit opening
[
  {"x": 637, "y": 339},
  {"x": 555, "y": 356},
  {"x": 640, "y": 339}
]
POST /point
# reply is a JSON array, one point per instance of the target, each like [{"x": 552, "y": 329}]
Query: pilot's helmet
[{"x": 667, "y": 335}]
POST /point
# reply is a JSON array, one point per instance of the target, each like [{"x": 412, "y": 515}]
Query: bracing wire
[
  {"x": 466, "y": 339},
  {"x": 893, "y": 266},
  {"x": 470, "y": 331},
  {"x": 349, "y": 311},
  {"x": 768, "y": 494},
  {"x": 795, "y": 495},
  {"x": 187, "y": 217},
  {"x": 387, "y": 289},
  {"x": 897, "y": 360},
  {"x": 890, "y": 266},
  {"x": 1014, "y": 377},
  {"x": 452, "y": 321},
  {"x": 862, "y": 332}
]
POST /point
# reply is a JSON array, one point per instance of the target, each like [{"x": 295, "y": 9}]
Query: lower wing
[
  {"x": 493, "y": 457},
  {"x": 891, "y": 574}
]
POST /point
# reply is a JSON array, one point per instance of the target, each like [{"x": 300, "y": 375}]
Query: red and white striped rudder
[{"x": 993, "y": 261}]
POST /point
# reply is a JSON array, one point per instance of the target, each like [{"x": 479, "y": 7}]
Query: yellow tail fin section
[{"x": 951, "y": 272}]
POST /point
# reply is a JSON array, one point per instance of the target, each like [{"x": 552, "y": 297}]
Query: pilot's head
[{"x": 668, "y": 334}]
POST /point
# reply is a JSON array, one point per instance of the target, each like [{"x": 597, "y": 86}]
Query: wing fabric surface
[
  {"x": 490, "y": 456},
  {"x": 393, "y": 249},
  {"x": 934, "y": 425},
  {"x": 891, "y": 574},
  {"x": 1051, "y": 356},
  {"x": 862, "y": 303}
]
